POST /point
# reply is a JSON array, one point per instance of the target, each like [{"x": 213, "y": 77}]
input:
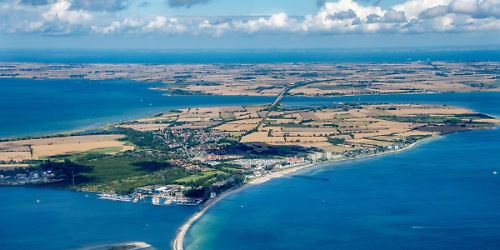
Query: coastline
[{"x": 178, "y": 241}]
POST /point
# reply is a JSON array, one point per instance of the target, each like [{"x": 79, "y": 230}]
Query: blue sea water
[
  {"x": 485, "y": 102},
  {"x": 442, "y": 194},
  {"x": 251, "y": 55},
  {"x": 53, "y": 219},
  {"x": 439, "y": 195},
  {"x": 35, "y": 107}
]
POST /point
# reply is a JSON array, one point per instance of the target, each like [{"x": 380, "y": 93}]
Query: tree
[{"x": 68, "y": 169}]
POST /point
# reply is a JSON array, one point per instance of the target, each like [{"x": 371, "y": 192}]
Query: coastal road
[{"x": 279, "y": 98}]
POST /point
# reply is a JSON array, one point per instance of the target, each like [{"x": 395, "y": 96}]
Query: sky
[{"x": 233, "y": 24}]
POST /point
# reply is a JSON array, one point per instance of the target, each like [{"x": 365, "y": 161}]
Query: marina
[{"x": 115, "y": 197}]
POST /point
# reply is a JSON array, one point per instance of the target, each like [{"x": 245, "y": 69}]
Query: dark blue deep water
[
  {"x": 35, "y": 107},
  {"x": 485, "y": 102},
  {"x": 442, "y": 194},
  {"x": 251, "y": 55},
  {"x": 69, "y": 220}
]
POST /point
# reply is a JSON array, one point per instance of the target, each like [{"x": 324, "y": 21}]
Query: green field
[
  {"x": 421, "y": 119},
  {"x": 122, "y": 173}
]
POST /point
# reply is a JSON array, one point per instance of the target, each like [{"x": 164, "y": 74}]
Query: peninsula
[
  {"x": 197, "y": 155},
  {"x": 191, "y": 155}
]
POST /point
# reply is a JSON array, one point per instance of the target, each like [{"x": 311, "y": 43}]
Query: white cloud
[
  {"x": 279, "y": 21},
  {"x": 217, "y": 29},
  {"x": 60, "y": 11},
  {"x": 112, "y": 28},
  {"x": 342, "y": 16},
  {"x": 413, "y": 8},
  {"x": 155, "y": 24},
  {"x": 130, "y": 25}
]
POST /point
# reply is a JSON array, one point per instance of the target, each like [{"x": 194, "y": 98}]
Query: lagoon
[{"x": 38, "y": 107}]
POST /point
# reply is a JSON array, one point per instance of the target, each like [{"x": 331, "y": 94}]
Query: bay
[
  {"x": 37, "y": 107},
  {"x": 53, "y": 219}
]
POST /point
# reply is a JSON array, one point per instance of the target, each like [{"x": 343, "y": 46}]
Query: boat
[
  {"x": 114, "y": 197},
  {"x": 189, "y": 202},
  {"x": 155, "y": 200}
]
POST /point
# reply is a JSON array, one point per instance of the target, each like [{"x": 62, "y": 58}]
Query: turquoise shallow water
[
  {"x": 36, "y": 107},
  {"x": 440, "y": 195}
]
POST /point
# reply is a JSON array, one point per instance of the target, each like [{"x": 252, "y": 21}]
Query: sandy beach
[
  {"x": 138, "y": 245},
  {"x": 178, "y": 242}
]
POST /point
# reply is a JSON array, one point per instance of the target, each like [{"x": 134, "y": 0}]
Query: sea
[
  {"x": 38, "y": 107},
  {"x": 182, "y": 56},
  {"x": 52, "y": 219},
  {"x": 441, "y": 194}
]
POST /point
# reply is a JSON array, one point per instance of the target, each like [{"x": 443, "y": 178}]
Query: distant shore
[{"x": 178, "y": 242}]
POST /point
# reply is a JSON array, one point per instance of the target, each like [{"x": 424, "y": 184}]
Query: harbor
[{"x": 168, "y": 195}]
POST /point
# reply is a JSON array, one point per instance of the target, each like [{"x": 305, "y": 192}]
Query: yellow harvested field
[
  {"x": 336, "y": 148},
  {"x": 496, "y": 121},
  {"x": 270, "y": 128},
  {"x": 20, "y": 150},
  {"x": 368, "y": 111},
  {"x": 193, "y": 119},
  {"x": 261, "y": 137},
  {"x": 307, "y": 134},
  {"x": 255, "y": 109},
  {"x": 409, "y": 110},
  {"x": 248, "y": 121},
  {"x": 261, "y": 79},
  {"x": 305, "y": 139},
  {"x": 283, "y": 121},
  {"x": 236, "y": 127},
  {"x": 324, "y": 115},
  {"x": 144, "y": 127},
  {"x": 161, "y": 118},
  {"x": 309, "y": 129},
  {"x": 13, "y": 166},
  {"x": 22, "y": 154},
  {"x": 362, "y": 126},
  {"x": 304, "y": 144},
  {"x": 239, "y": 125},
  {"x": 385, "y": 128}
]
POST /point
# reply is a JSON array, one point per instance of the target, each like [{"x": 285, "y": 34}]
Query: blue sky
[
  {"x": 247, "y": 7},
  {"x": 248, "y": 23}
]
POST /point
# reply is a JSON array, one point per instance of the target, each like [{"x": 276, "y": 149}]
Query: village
[{"x": 190, "y": 155}]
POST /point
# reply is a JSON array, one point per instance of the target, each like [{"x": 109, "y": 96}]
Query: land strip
[
  {"x": 194, "y": 154},
  {"x": 273, "y": 79}
]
